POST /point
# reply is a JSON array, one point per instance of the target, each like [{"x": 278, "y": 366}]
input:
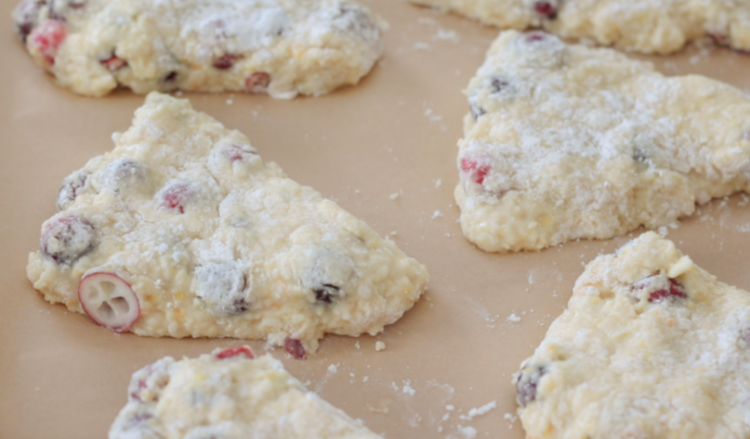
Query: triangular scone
[
  {"x": 183, "y": 231},
  {"x": 279, "y": 47},
  {"x": 647, "y": 26},
  {"x": 228, "y": 395},
  {"x": 650, "y": 346},
  {"x": 566, "y": 142}
]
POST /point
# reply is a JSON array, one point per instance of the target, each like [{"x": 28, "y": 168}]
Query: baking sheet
[{"x": 61, "y": 376}]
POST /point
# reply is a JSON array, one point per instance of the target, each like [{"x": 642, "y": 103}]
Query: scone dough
[
  {"x": 279, "y": 47},
  {"x": 566, "y": 142},
  {"x": 213, "y": 242},
  {"x": 228, "y": 395},
  {"x": 650, "y": 346},
  {"x": 647, "y": 26}
]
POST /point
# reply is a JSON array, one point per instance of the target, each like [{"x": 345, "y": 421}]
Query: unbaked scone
[
  {"x": 228, "y": 395},
  {"x": 650, "y": 346},
  {"x": 647, "y": 26},
  {"x": 565, "y": 142},
  {"x": 183, "y": 231},
  {"x": 279, "y": 47}
]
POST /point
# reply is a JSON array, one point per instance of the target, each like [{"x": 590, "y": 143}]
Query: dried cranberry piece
[
  {"x": 47, "y": 38},
  {"x": 546, "y": 10},
  {"x": 258, "y": 82},
  {"x": 527, "y": 381},
  {"x": 476, "y": 171},
  {"x": 226, "y": 61},
  {"x": 295, "y": 348},
  {"x": 113, "y": 63},
  {"x": 234, "y": 352},
  {"x": 66, "y": 239}
]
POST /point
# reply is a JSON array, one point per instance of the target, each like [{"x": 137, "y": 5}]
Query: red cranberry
[
  {"x": 476, "y": 171},
  {"x": 660, "y": 288},
  {"x": 155, "y": 376},
  {"x": 222, "y": 287},
  {"x": 25, "y": 16},
  {"x": 295, "y": 348},
  {"x": 114, "y": 63},
  {"x": 70, "y": 188},
  {"x": 546, "y": 10},
  {"x": 532, "y": 37},
  {"x": 225, "y": 62},
  {"x": 47, "y": 38},
  {"x": 234, "y": 352},
  {"x": 527, "y": 381},
  {"x": 258, "y": 82},
  {"x": 176, "y": 196},
  {"x": 66, "y": 239}
]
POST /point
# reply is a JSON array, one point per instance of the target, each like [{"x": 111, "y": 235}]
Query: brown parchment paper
[{"x": 61, "y": 376}]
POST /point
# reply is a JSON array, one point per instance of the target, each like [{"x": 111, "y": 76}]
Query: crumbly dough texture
[
  {"x": 566, "y": 142},
  {"x": 282, "y": 47},
  {"x": 231, "y": 398},
  {"x": 650, "y": 346},
  {"x": 647, "y": 26},
  {"x": 242, "y": 251}
]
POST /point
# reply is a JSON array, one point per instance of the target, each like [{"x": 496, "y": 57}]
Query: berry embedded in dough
[
  {"x": 564, "y": 142},
  {"x": 183, "y": 231},
  {"x": 228, "y": 394},
  {"x": 646, "y": 26},
  {"x": 649, "y": 346},
  {"x": 280, "y": 47}
]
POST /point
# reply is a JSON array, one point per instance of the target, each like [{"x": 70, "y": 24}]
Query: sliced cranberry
[
  {"x": 46, "y": 39},
  {"x": 660, "y": 288},
  {"x": 295, "y": 348},
  {"x": 176, "y": 196},
  {"x": 109, "y": 301},
  {"x": 70, "y": 188},
  {"x": 153, "y": 378},
  {"x": 527, "y": 381},
  {"x": 546, "y": 10},
  {"x": 236, "y": 153},
  {"x": 476, "y": 171},
  {"x": 66, "y": 239},
  {"x": 234, "y": 352},
  {"x": 225, "y": 62},
  {"x": 114, "y": 63},
  {"x": 258, "y": 82}
]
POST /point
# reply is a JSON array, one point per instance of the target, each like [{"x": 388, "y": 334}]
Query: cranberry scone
[
  {"x": 646, "y": 26},
  {"x": 183, "y": 231},
  {"x": 565, "y": 142},
  {"x": 650, "y": 346},
  {"x": 228, "y": 395},
  {"x": 279, "y": 47}
]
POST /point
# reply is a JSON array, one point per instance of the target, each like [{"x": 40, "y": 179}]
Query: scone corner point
[
  {"x": 647, "y": 337},
  {"x": 182, "y": 230}
]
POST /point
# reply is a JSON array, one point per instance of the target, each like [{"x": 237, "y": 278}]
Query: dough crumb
[
  {"x": 513, "y": 318},
  {"x": 480, "y": 411},
  {"x": 438, "y": 182},
  {"x": 437, "y": 214},
  {"x": 468, "y": 432},
  {"x": 446, "y": 35},
  {"x": 408, "y": 389},
  {"x": 379, "y": 346}
]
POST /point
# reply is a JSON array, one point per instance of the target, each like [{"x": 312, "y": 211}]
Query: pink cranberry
[
  {"x": 176, "y": 196},
  {"x": 532, "y": 37},
  {"x": 295, "y": 348},
  {"x": 226, "y": 62},
  {"x": 674, "y": 290},
  {"x": 47, "y": 38},
  {"x": 70, "y": 188},
  {"x": 546, "y": 10},
  {"x": 114, "y": 63},
  {"x": 237, "y": 153},
  {"x": 234, "y": 352},
  {"x": 660, "y": 288},
  {"x": 476, "y": 171},
  {"x": 258, "y": 82},
  {"x": 109, "y": 301},
  {"x": 66, "y": 239}
]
